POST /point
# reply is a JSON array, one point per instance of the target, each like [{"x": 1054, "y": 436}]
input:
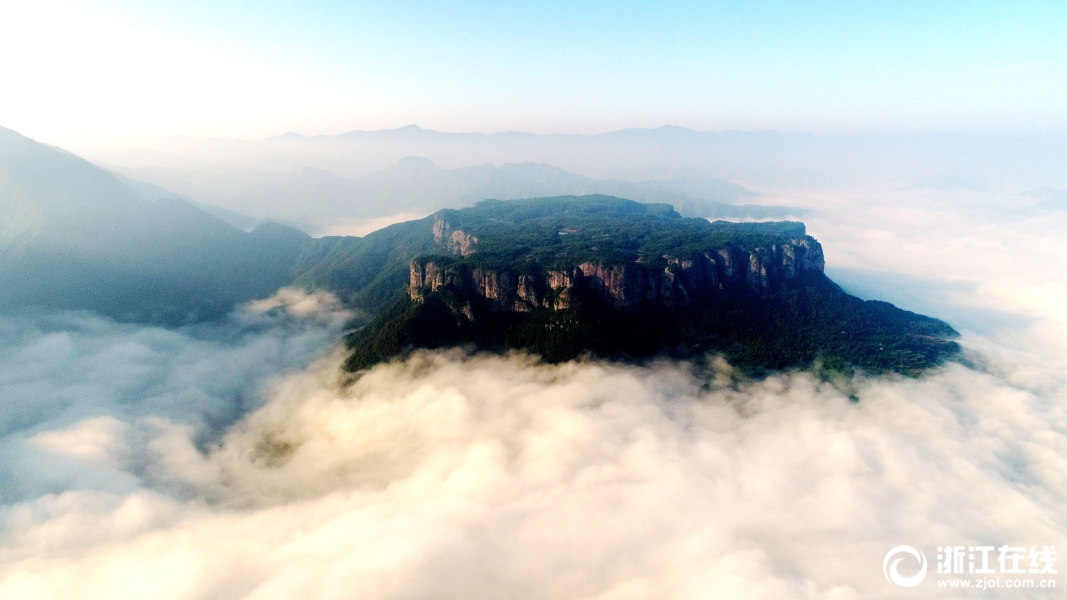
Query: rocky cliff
[
  {"x": 676, "y": 281},
  {"x": 601, "y": 276},
  {"x": 455, "y": 240}
]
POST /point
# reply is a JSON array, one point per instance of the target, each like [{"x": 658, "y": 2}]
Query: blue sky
[{"x": 122, "y": 70}]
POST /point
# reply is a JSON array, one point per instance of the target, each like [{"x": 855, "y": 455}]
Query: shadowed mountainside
[
  {"x": 566, "y": 276},
  {"x": 74, "y": 236}
]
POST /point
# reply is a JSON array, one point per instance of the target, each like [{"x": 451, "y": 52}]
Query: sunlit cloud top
[{"x": 119, "y": 71}]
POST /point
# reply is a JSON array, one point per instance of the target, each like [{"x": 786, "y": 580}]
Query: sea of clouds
[{"x": 233, "y": 460}]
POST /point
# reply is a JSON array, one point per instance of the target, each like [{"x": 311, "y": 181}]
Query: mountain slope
[
  {"x": 566, "y": 276},
  {"x": 73, "y": 236}
]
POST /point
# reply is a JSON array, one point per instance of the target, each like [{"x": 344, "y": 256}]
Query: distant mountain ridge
[
  {"x": 415, "y": 184},
  {"x": 766, "y": 157},
  {"x": 73, "y": 236},
  {"x": 257, "y": 177}
]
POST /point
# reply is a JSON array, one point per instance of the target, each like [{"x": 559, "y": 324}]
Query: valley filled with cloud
[
  {"x": 274, "y": 277},
  {"x": 233, "y": 458}
]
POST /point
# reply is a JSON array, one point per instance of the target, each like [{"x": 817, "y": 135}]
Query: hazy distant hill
[
  {"x": 669, "y": 152},
  {"x": 73, "y": 236},
  {"x": 753, "y": 159},
  {"x": 416, "y": 184}
]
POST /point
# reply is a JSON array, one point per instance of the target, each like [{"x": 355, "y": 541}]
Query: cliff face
[
  {"x": 636, "y": 281},
  {"x": 626, "y": 286},
  {"x": 457, "y": 241}
]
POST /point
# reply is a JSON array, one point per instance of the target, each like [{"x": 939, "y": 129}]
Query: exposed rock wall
[
  {"x": 456, "y": 241},
  {"x": 626, "y": 286}
]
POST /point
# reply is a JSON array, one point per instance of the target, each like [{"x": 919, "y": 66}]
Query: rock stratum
[
  {"x": 628, "y": 286},
  {"x": 563, "y": 277}
]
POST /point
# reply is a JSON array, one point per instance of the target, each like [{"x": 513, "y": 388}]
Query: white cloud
[
  {"x": 297, "y": 303},
  {"x": 79, "y": 395},
  {"x": 964, "y": 255},
  {"x": 361, "y": 227},
  {"x": 457, "y": 476},
  {"x": 228, "y": 460},
  {"x": 99, "y": 439}
]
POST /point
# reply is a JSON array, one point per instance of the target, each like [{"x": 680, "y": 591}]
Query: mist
[
  {"x": 338, "y": 184},
  {"x": 269, "y": 318},
  {"x": 233, "y": 459},
  {"x": 451, "y": 476},
  {"x": 74, "y": 380}
]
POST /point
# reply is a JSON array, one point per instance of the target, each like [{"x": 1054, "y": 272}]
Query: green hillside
[{"x": 787, "y": 322}]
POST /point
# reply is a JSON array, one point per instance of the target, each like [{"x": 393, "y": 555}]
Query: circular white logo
[{"x": 890, "y": 569}]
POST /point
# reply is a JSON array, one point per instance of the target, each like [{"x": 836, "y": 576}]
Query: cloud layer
[
  {"x": 230, "y": 461},
  {"x": 484, "y": 477}
]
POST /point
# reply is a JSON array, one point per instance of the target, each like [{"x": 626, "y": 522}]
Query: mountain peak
[
  {"x": 566, "y": 276},
  {"x": 414, "y": 165}
]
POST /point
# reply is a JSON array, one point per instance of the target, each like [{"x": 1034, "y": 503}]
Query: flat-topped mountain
[
  {"x": 615, "y": 278},
  {"x": 560, "y": 276},
  {"x": 660, "y": 261}
]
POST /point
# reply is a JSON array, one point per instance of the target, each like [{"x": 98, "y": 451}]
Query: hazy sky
[{"x": 116, "y": 71}]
